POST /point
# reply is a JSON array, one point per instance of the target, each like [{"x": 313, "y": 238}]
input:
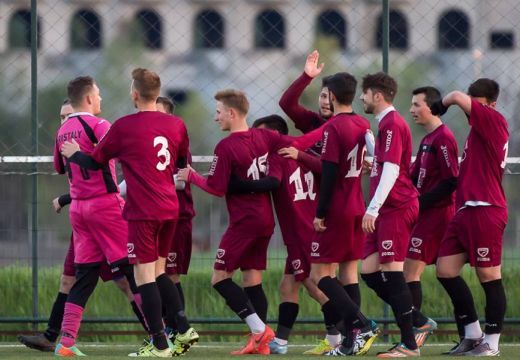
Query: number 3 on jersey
[{"x": 163, "y": 152}]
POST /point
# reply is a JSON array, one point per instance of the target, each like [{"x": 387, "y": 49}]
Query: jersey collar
[{"x": 383, "y": 113}]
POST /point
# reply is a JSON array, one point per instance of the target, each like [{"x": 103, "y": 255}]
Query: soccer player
[
  {"x": 244, "y": 245},
  {"x": 307, "y": 120},
  {"x": 434, "y": 174},
  {"x": 178, "y": 260},
  {"x": 393, "y": 210},
  {"x": 148, "y": 145},
  {"x": 475, "y": 233},
  {"x": 339, "y": 236},
  {"x": 99, "y": 230}
]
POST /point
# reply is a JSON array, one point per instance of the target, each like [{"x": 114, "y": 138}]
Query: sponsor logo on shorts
[
  {"x": 220, "y": 254},
  {"x": 387, "y": 245},
  {"x": 130, "y": 248},
  {"x": 296, "y": 264},
  {"x": 388, "y": 140},
  {"x": 172, "y": 256},
  {"x": 483, "y": 254},
  {"x": 314, "y": 247},
  {"x": 416, "y": 242}
]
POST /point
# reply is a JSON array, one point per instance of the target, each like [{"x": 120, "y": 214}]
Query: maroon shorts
[
  {"x": 428, "y": 233},
  {"x": 99, "y": 230},
  {"x": 236, "y": 251},
  {"x": 392, "y": 235},
  {"x": 298, "y": 261},
  {"x": 477, "y": 231},
  {"x": 179, "y": 256},
  {"x": 341, "y": 241},
  {"x": 150, "y": 239},
  {"x": 70, "y": 270}
]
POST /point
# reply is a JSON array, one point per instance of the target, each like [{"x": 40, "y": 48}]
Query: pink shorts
[
  {"x": 476, "y": 231},
  {"x": 298, "y": 261},
  {"x": 70, "y": 270},
  {"x": 151, "y": 239},
  {"x": 393, "y": 230},
  {"x": 428, "y": 233},
  {"x": 238, "y": 252},
  {"x": 179, "y": 256},
  {"x": 99, "y": 230},
  {"x": 342, "y": 241}
]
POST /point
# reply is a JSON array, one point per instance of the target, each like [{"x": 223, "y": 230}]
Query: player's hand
[
  {"x": 319, "y": 224},
  {"x": 369, "y": 223},
  {"x": 69, "y": 148},
  {"x": 289, "y": 153},
  {"x": 366, "y": 167},
  {"x": 184, "y": 174},
  {"x": 312, "y": 68},
  {"x": 438, "y": 108},
  {"x": 56, "y": 205}
]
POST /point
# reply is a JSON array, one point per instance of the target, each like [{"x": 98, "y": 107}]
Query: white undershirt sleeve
[
  {"x": 122, "y": 188},
  {"x": 370, "y": 141},
  {"x": 386, "y": 183}
]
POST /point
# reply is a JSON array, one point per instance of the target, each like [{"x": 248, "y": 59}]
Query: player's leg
[
  {"x": 131, "y": 293},
  {"x": 287, "y": 313},
  {"x": 252, "y": 285}
]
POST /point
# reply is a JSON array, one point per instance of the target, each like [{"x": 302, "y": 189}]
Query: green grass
[
  {"x": 204, "y": 302},
  {"x": 221, "y": 351}
]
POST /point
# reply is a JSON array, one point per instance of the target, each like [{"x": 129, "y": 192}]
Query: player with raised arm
[
  {"x": 393, "y": 209},
  {"x": 304, "y": 119},
  {"x": 475, "y": 233},
  {"x": 434, "y": 174},
  {"x": 99, "y": 230},
  {"x": 148, "y": 144},
  {"x": 339, "y": 237}
]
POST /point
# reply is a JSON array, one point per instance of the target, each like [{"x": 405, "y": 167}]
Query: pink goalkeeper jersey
[
  {"x": 87, "y": 130},
  {"x": 484, "y": 158},
  {"x": 344, "y": 144},
  {"x": 394, "y": 145},
  {"x": 147, "y": 144}
]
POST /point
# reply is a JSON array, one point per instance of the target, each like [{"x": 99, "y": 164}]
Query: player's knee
[
  {"x": 288, "y": 292},
  {"x": 86, "y": 281},
  {"x": 486, "y": 274},
  {"x": 446, "y": 272},
  {"x": 66, "y": 283}
]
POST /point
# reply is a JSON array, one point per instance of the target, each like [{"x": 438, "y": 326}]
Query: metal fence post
[{"x": 34, "y": 150}]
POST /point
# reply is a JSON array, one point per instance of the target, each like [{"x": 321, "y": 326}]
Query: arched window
[
  {"x": 20, "y": 30},
  {"x": 269, "y": 30},
  {"x": 398, "y": 31},
  {"x": 332, "y": 24},
  {"x": 85, "y": 30},
  {"x": 454, "y": 30},
  {"x": 209, "y": 30},
  {"x": 150, "y": 27}
]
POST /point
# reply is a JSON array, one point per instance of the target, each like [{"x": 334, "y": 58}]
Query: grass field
[{"x": 221, "y": 351}]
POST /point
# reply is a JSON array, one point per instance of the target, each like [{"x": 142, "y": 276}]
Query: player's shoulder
[{"x": 477, "y": 107}]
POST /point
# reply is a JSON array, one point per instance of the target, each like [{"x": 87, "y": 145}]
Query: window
[
  {"x": 150, "y": 27},
  {"x": 209, "y": 30},
  {"x": 502, "y": 40},
  {"x": 454, "y": 30},
  {"x": 20, "y": 30},
  {"x": 85, "y": 30},
  {"x": 332, "y": 24},
  {"x": 269, "y": 30},
  {"x": 398, "y": 31}
]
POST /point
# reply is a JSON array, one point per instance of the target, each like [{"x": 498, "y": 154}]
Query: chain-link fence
[{"x": 201, "y": 46}]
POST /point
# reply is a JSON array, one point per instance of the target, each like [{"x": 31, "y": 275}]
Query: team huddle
[{"x": 430, "y": 211}]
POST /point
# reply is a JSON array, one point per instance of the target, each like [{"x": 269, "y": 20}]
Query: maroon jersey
[
  {"x": 244, "y": 154},
  {"x": 394, "y": 145},
  {"x": 484, "y": 158},
  {"x": 344, "y": 144},
  {"x": 436, "y": 160},
  {"x": 86, "y": 129},
  {"x": 147, "y": 144},
  {"x": 186, "y": 210},
  {"x": 295, "y": 200}
]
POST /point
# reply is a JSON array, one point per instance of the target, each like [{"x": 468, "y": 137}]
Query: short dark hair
[
  {"x": 273, "y": 122},
  {"x": 78, "y": 88},
  {"x": 485, "y": 88},
  {"x": 167, "y": 103},
  {"x": 380, "y": 82},
  {"x": 147, "y": 83},
  {"x": 431, "y": 94},
  {"x": 324, "y": 81},
  {"x": 234, "y": 99},
  {"x": 343, "y": 86}
]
